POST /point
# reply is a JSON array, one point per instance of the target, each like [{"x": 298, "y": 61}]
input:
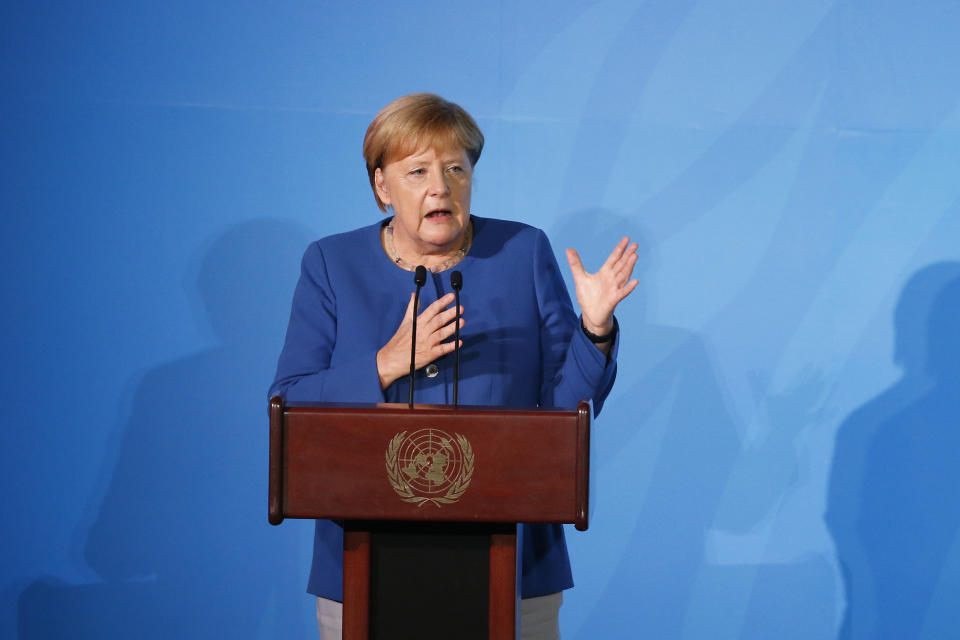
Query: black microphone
[
  {"x": 419, "y": 279},
  {"x": 456, "y": 281},
  {"x": 420, "y": 276}
]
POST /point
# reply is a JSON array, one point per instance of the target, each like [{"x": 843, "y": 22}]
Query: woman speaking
[{"x": 349, "y": 337}]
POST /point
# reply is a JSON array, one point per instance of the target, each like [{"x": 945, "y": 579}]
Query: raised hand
[
  {"x": 434, "y": 325},
  {"x": 598, "y": 294}
]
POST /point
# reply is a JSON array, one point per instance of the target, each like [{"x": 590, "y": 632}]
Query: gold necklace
[{"x": 391, "y": 249}]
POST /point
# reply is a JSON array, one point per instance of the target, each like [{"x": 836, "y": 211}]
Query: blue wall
[{"x": 779, "y": 456}]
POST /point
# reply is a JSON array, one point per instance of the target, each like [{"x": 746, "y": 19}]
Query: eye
[
  {"x": 455, "y": 168},
  {"x": 417, "y": 172}
]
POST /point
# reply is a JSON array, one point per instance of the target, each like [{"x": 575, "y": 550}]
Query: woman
[{"x": 521, "y": 343}]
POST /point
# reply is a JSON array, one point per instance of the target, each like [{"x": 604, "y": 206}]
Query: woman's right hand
[{"x": 434, "y": 325}]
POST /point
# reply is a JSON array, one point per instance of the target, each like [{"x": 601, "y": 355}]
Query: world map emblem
[{"x": 429, "y": 465}]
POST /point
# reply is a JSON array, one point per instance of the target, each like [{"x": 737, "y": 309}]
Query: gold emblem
[{"x": 429, "y": 466}]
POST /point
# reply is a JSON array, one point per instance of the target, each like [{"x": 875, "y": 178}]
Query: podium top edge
[{"x": 397, "y": 407}]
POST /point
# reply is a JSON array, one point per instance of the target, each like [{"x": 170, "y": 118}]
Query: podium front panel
[{"x": 391, "y": 462}]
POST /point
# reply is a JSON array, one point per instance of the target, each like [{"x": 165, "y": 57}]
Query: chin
[
  {"x": 441, "y": 240},
  {"x": 441, "y": 237}
]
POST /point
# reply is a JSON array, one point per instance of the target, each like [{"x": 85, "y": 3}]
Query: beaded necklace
[{"x": 391, "y": 250}]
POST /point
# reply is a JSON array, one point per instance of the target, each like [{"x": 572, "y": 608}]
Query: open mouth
[{"x": 440, "y": 213}]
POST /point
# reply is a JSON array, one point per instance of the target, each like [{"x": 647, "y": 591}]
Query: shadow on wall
[
  {"x": 670, "y": 459},
  {"x": 181, "y": 539},
  {"x": 893, "y": 509},
  {"x": 671, "y": 427}
]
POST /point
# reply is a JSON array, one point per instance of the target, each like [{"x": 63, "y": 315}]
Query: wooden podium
[{"x": 429, "y": 497}]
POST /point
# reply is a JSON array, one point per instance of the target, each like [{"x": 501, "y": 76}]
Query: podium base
[{"x": 429, "y": 580}]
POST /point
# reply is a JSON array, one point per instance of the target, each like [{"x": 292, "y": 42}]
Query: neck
[{"x": 433, "y": 258}]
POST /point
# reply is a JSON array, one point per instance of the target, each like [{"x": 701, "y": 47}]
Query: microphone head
[
  {"x": 456, "y": 280},
  {"x": 420, "y": 276}
]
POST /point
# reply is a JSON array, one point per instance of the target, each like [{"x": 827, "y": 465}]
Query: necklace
[{"x": 391, "y": 250}]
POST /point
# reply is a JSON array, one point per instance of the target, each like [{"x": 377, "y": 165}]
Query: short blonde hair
[{"x": 414, "y": 122}]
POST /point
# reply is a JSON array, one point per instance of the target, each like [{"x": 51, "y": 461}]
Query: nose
[{"x": 438, "y": 183}]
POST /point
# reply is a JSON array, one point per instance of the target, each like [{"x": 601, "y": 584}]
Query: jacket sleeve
[
  {"x": 573, "y": 368},
  {"x": 310, "y": 368}
]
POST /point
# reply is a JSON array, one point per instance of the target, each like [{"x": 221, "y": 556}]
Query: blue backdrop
[{"x": 779, "y": 456}]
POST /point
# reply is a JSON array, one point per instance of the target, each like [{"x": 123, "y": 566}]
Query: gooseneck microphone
[
  {"x": 419, "y": 279},
  {"x": 456, "y": 281}
]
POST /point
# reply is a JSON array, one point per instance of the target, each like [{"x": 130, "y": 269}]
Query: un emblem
[{"x": 429, "y": 466}]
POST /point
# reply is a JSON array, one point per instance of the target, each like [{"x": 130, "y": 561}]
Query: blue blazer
[{"x": 521, "y": 347}]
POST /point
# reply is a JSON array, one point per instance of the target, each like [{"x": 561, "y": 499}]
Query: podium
[{"x": 430, "y": 498}]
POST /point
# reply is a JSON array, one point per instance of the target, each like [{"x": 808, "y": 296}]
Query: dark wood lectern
[{"x": 430, "y": 497}]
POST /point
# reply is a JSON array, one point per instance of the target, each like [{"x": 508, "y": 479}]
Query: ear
[{"x": 379, "y": 180}]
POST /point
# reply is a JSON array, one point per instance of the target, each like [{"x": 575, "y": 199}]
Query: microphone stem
[
  {"x": 456, "y": 349},
  {"x": 413, "y": 342}
]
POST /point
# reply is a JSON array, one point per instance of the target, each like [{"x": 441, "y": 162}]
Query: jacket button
[{"x": 432, "y": 370}]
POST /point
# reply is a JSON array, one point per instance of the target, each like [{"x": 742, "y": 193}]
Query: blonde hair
[{"x": 414, "y": 122}]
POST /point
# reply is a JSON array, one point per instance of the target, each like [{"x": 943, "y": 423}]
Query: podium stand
[{"x": 429, "y": 497}]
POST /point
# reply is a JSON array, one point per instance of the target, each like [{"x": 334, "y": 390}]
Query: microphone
[
  {"x": 456, "y": 281},
  {"x": 420, "y": 276},
  {"x": 419, "y": 279}
]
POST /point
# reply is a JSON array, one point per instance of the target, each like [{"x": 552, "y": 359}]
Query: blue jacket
[{"x": 521, "y": 347}]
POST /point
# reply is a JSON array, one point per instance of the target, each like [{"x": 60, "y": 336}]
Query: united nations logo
[{"x": 429, "y": 466}]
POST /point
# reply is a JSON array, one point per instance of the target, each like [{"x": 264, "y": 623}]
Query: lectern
[{"x": 430, "y": 498}]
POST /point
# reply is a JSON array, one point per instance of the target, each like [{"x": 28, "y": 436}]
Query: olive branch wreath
[{"x": 402, "y": 487}]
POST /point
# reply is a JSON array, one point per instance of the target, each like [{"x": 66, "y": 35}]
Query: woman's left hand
[{"x": 598, "y": 294}]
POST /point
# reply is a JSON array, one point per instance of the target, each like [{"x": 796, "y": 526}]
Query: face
[{"x": 429, "y": 192}]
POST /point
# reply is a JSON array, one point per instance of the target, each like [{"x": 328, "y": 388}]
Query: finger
[
  {"x": 408, "y": 314},
  {"x": 442, "y": 303},
  {"x": 448, "y": 330},
  {"x": 444, "y": 348},
  {"x": 437, "y": 306},
  {"x": 625, "y": 268},
  {"x": 616, "y": 253},
  {"x": 444, "y": 318},
  {"x": 628, "y": 256},
  {"x": 630, "y": 251},
  {"x": 426, "y": 356},
  {"x": 627, "y": 290},
  {"x": 576, "y": 267},
  {"x": 441, "y": 333}
]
